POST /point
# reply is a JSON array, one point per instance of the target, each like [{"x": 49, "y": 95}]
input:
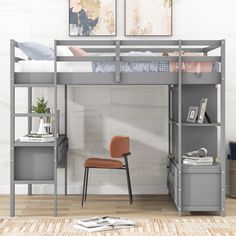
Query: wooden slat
[
  {"x": 201, "y": 58},
  {"x": 149, "y": 58},
  {"x": 86, "y": 58}
]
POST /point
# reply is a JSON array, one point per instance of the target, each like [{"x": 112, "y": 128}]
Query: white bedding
[{"x": 48, "y": 66}]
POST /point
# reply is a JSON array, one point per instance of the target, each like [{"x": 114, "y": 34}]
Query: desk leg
[
  {"x": 55, "y": 199},
  {"x": 66, "y": 177},
  {"x": 29, "y": 189},
  {"x": 12, "y": 200},
  {"x": 55, "y": 183}
]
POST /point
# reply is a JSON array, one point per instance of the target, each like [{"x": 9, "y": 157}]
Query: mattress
[{"x": 48, "y": 66}]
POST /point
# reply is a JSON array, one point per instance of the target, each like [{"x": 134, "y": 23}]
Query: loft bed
[
  {"x": 116, "y": 62},
  {"x": 183, "y": 65}
]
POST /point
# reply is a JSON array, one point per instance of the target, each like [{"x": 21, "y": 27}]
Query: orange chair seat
[{"x": 102, "y": 163}]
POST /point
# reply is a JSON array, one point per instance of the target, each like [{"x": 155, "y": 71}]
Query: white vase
[{"x": 41, "y": 129}]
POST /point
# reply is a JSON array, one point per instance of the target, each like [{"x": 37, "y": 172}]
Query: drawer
[
  {"x": 201, "y": 191},
  {"x": 34, "y": 163}
]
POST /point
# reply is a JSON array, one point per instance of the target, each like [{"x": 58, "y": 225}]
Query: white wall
[{"x": 97, "y": 113}]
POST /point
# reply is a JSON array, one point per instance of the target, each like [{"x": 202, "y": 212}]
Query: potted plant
[{"x": 41, "y": 107}]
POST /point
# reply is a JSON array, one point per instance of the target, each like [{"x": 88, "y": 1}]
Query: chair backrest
[{"x": 119, "y": 146}]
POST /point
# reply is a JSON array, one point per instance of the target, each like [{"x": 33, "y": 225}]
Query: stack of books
[
  {"x": 38, "y": 138},
  {"x": 96, "y": 224},
  {"x": 198, "y": 161}
]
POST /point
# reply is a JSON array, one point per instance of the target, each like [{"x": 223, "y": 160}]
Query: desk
[{"x": 34, "y": 164}]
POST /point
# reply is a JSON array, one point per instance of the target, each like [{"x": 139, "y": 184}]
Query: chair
[{"x": 119, "y": 148}]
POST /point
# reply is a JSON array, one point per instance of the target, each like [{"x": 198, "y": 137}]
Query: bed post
[
  {"x": 55, "y": 127},
  {"x": 12, "y": 126},
  {"x": 180, "y": 127},
  {"x": 222, "y": 144},
  {"x": 66, "y": 136},
  {"x": 29, "y": 127}
]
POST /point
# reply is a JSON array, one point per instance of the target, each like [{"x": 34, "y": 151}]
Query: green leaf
[{"x": 41, "y": 106}]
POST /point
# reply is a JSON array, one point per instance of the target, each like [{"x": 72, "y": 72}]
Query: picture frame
[
  {"x": 91, "y": 18},
  {"x": 202, "y": 110},
  {"x": 192, "y": 114},
  {"x": 141, "y": 18}
]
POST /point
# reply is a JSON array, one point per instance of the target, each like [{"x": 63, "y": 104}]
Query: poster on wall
[
  {"x": 148, "y": 18},
  {"x": 92, "y": 17}
]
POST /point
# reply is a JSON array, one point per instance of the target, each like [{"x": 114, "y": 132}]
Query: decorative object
[
  {"x": 202, "y": 111},
  {"x": 41, "y": 129},
  {"x": 92, "y": 18},
  {"x": 201, "y": 152},
  {"x": 192, "y": 114},
  {"x": 41, "y": 108},
  {"x": 148, "y": 18}
]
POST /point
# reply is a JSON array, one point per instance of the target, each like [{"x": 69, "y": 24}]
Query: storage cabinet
[
  {"x": 35, "y": 163},
  {"x": 201, "y": 187},
  {"x": 197, "y": 188}
]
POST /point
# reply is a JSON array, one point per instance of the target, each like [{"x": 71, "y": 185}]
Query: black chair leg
[
  {"x": 128, "y": 181},
  {"x": 86, "y": 185},
  {"x": 85, "y": 174}
]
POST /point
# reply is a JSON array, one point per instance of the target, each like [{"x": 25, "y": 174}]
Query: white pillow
[
  {"x": 63, "y": 51},
  {"x": 20, "y": 54},
  {"x": 36, "y": 51}
]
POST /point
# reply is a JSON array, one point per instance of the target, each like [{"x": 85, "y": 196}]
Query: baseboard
[{"x": 77, "y": 189}]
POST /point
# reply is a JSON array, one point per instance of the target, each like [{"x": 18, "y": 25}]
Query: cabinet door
[
  {"x": 201, "y": 189},
  {"x": 173, "y": 182},
  {"x": 169, "y": 177},
  {"x": 33, "y": 163},
  {"x": 62, "y": 154},
  {"x": 176, "y": 186}
]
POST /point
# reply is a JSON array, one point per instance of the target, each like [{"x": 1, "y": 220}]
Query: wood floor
[{"x": 147, "y": 206}]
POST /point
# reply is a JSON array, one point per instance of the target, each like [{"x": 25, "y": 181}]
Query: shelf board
[
  {"x": 30, "y": 85},
  {"x": 34, "y": 115},
  {"x": 195, "y": 124},
  {"x": 33, "y": 181},
  {"x": 18, "y": 143},
  {"x": 201, "y": 125}
]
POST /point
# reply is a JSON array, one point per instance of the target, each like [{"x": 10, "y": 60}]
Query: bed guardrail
[{"x": 113, "y": 51}]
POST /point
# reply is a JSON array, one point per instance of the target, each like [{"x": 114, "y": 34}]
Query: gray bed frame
[{"x": 192, "y": 188}]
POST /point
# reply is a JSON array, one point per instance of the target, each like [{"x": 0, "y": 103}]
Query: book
[
  {"x": 199, "y": 159},
  {"x": 197, "y": 163},
  {"x": 97, "y": 224},
  {"x": 33, "y": 135},
  {"x": 29, "y": 138}
]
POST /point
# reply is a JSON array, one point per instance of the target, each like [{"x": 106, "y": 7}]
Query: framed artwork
[
  {"x": 192, "y": 114},
  {"x": 92, "y": 17},
  {"x": 202, "y": 111},
  {"x": 148, "y": 18}
]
